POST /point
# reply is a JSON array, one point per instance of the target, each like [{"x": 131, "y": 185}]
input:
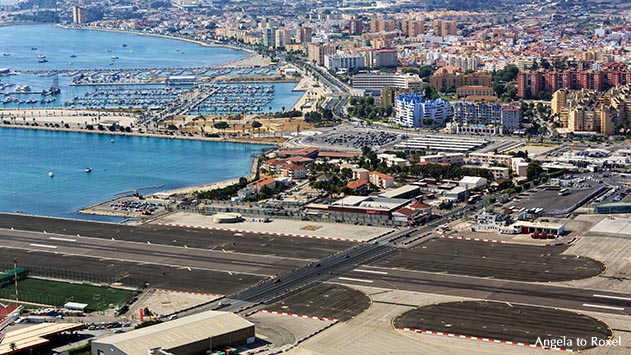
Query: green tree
[
  {"x": 534, "y": 169},
  {"x": 221, "y": 125},
  {"x": 257, "y": 124}
]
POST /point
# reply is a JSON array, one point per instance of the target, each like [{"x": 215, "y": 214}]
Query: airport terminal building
[{"x": 192, "y": 335}]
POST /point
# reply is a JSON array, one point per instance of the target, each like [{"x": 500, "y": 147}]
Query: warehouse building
[{"x": 192, "y": 335}]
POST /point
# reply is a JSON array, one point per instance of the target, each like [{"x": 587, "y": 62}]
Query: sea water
[{"x": 119, "y": 165}]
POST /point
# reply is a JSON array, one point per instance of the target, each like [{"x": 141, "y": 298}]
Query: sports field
[{"x": 58, "y": 293}]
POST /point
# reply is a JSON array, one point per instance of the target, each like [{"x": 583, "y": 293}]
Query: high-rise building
[
  {"x": 269, "y": 37},
  {"x": 317, "y": 51},
  {"x": 412, "y": 28},
  {"x": 355, "y": 27},
  {"x": 413, "y": 111},
  {"x": 381, "y": 57},
  {"x": 444, "y": 28},
  {"x": 78, "y": 15},
  {"x": 282, "y": 37},
  {"x": 303, "y": 35}
]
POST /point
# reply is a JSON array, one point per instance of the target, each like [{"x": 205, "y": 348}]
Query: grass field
[{"x": 57, "y": 293}]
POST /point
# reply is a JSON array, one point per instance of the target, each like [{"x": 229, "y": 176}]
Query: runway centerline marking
[
  {"x": 613, "y": 297},
  {"x": 43, "y": 246},
  {"x": 356, "y": 280},
  {"x": 371, "y": 271},
  {"x": 603, "y": 307},
  {"x": 62, "y": 239}
]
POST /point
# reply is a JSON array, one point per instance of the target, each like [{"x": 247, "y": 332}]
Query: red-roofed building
[
  {"x": 274, "y": 166},
  {"x": 421, "y": 207},
  {"x": 268, "y": 182},
  {"x": 358, "y": 187},
  {"x": 294, "y": 171},
  {"x": 310, "y": 152},
  {"x": 380, "y": 180},
  {"x": 301, "y": 160}
]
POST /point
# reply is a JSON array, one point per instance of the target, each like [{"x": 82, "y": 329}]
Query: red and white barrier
[
  {"x": 297, "y": 315},
  {"x": 475, "y": 239},
  {"x": 489, "y": 340}
]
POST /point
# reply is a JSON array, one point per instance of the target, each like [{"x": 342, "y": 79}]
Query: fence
[{"x": 77, "y": 276}]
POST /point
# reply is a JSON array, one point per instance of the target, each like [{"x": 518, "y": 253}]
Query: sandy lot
[{"x": 327, "y": 230}]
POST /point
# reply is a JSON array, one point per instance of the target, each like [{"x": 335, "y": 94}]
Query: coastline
[
  {"x": 205, "y": 44},
  {"x": 136, "y": 134},
  {"x": 251, "y": 58}
]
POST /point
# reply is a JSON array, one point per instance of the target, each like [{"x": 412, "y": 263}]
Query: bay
[{"x": 131, "y": 162}]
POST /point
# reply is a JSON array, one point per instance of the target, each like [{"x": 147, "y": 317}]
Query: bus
[{"x": 564, "y": 191}]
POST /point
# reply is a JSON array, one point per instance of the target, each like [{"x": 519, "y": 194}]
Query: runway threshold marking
[
  {"x": 356, "y": 280},
  {"x": 43, "y": 246},
  {"x": 62, "y": 239},
  {"x": 603, "y": 307},
  {"x": 613, "y": 297},
  {"x": 371, "y": 271}
]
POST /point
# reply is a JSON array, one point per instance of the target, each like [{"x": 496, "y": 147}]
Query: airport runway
[
  {"x": 539, "y": 294},
  {"x": 301, "y": 248},
  {"x": 179, "y": 257}
]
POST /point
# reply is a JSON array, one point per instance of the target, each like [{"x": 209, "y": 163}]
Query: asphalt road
[
  {"x": 502, "y": 261},
  {"x": 300, "y": 248},
  {"x": 289, "y": 283},
  {"x": 539, "y": 294},
  {"x": 502, "y": 321}
]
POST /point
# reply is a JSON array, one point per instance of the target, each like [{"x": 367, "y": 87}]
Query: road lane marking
[
  {"x": 604, "y": 307},
  {"x": 356, "y": 280},
  {"x": 613, "y": 297},
  {"x": 43, "y": 246},
  {"x": 62, "y": 239},
  {"x": 371, "y": 271}
]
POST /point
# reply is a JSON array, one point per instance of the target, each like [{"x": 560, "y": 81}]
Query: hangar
[{"x": 192, "y": 335}]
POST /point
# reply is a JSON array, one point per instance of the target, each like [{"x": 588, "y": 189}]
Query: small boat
[
  {"x": 114, "y": 57},
  {"x": 33, "y": 48},
  {"x": 41, "y": 56},
  {"x": 42, "y": 60},
  {"x": 124, "y": 44},
  {"x": 88, "y": 170},
  {"x": 6, "y": 54},
  {"x": 112, "y": 141},
  {"x": 51, "y": 174},
  {"x": 109, "y": 49},
  {"x": 73, "y": 56}
]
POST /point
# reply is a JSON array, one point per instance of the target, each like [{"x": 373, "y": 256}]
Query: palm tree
[{"x": 12, "y": 346}]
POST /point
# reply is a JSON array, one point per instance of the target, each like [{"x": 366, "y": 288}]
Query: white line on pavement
[
  {"x": 371, "y": 271},
  {"x": 356, "y": 280},
  {"x": 43, "y": 246},
  {"x": 613, "y": 297},
  {"x": 603, "y": 307},
  {"x": 62, "y": 239}
]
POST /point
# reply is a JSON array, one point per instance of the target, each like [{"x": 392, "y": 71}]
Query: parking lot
[
  {"x": 355, "y": 139},
  {"x": 550, "y": 200}
]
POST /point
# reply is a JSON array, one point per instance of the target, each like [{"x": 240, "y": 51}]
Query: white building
[
  {"x": 472, "y": 182},
  {"x": 413, "y": 111},
  {"x": 381, "y": 80},
  {"x": 447, "y": 158},
  {"x": 338, "y": 62}
]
